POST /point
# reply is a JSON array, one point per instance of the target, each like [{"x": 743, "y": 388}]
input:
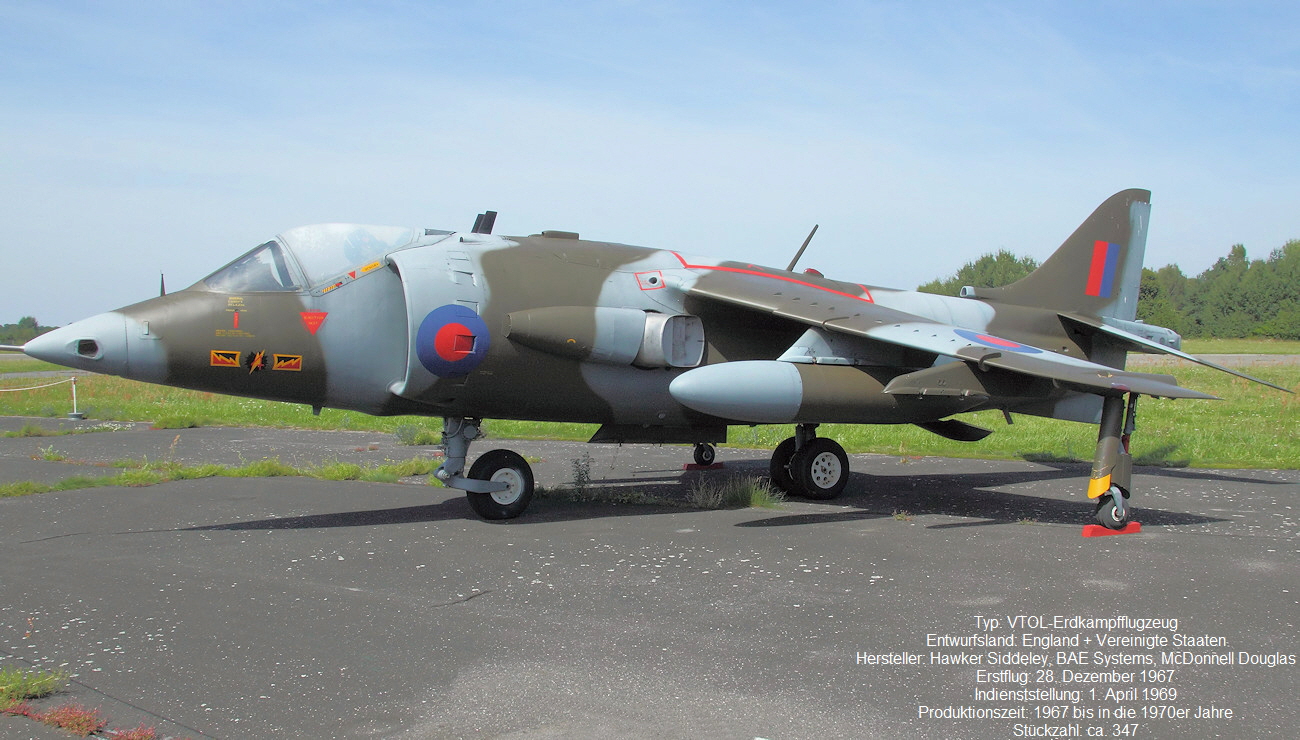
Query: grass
[
  {"x": 17, "y": 686},
  {"x": 734, "y": 493},
  {"x": 1254, "y": 427},
  {"x": 27, "y": 365},
  {"x": 1241, "y": 347},
  {"x": 145, "y": 473},
  {"x": 35, "y": 430}
]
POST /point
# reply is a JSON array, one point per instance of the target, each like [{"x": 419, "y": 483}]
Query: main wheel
[
  {"x": 502, "y": 466},
  {"x": 779, "y": 467},
  {"x": 705, "y": 453},
  {"x": 1108, "y": 513},
  {"x": 821, "y": 468}
]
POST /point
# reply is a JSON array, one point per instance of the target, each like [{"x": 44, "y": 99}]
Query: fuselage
[{"x": 547, "y": 327}]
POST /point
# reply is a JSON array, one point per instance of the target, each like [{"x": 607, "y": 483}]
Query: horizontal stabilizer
[
  {"x": 958, "y": 431},
  {"x": 1142, "y": 344}
]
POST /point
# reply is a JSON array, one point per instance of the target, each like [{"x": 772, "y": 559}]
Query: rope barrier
[
  {"x": 75, "y": 414},
  {"x": 37, "y": 387}
]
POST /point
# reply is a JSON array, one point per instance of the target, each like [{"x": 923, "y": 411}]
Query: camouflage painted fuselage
[
  {"x": 653, "y": 345},
  {"x": 553, "y": 328}
]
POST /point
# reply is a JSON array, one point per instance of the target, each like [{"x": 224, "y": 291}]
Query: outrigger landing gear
[
  {"x": 1112, "y": 466},
  {"x": 499, "y": 484},
  {"x": 705, "y": 454},
  {"x": 810, "y": 466}
]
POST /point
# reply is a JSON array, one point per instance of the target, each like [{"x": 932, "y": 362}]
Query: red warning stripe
[{"x": 866, "y": 297}]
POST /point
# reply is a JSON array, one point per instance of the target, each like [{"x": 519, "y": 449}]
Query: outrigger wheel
[
  {"x": 1112, "y": 465},
  {"x": 705, "y": 454},
  {"x": 1109, "y": 513}
]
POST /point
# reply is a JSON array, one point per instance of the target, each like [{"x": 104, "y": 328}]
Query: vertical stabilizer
[{"x": 1097, "y": 271}]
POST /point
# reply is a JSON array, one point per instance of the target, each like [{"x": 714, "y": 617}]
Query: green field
[
  {"x": 1253, "y": 427},
  {"x": 20, "y": 364},
  {"x": 1241, "y": 347}
]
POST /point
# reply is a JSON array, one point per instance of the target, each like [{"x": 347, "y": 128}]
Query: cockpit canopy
[{"x": 311, "y": 255}]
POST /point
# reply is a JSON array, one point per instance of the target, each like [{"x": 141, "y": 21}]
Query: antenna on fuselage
[
  {"x": 799, "y": 254},
  {"x": 484, "y": 223},
  {"x": 162, "y": 284}
]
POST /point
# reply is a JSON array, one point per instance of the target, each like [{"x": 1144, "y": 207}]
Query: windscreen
[{"x": 263, "y": 269}]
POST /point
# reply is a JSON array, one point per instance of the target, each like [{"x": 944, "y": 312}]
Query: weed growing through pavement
[
  {"x": 18, "y": 686},
  {"x": 735, "y": 492},
  {"x": 74, "y": 718},
  {"x": 49, "y": 455},
  {"x": 581, "y": 475},
  {"x": 902, "y": 515}
]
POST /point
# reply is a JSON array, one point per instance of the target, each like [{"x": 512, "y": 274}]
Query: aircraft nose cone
[{"x": 97, "y": 344}]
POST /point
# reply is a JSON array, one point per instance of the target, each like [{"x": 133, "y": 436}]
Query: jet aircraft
[{"x": 654, "y": 345}]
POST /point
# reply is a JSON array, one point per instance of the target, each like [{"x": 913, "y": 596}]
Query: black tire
[
  {"x": 821, "y": 468},
  {"x": 507, "y": 467},
  {"x": 1107, "y": 513},
  {"x": 705, "y": 454},
  {"x": 779, "y": 467}
]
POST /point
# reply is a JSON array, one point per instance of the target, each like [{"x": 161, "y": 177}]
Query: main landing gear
[
  {"x": 810, "y": 466},
  {"x": 1112, "y": 466},
  {"x": 499, "y": 484}
]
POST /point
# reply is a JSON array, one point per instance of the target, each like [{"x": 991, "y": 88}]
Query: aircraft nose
[{"x": 97, "y": 344}]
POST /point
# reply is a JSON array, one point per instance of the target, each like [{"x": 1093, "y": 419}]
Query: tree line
[
  {"x": 1236, "y": 297},
  {"x": 26, "y": 329}
]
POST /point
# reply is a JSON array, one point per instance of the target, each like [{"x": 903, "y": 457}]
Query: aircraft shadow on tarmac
[
  {"x": 454, "y": 508},
  {"x": 971, "y": 496}
]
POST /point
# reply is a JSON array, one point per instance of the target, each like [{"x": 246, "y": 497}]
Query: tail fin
[{"x": 1097, "y": 271}]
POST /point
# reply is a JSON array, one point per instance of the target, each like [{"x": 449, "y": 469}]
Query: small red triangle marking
[{"x": 313, "y": 319}]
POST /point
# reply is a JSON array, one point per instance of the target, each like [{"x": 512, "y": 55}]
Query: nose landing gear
[{"x": 500, "y": 482}]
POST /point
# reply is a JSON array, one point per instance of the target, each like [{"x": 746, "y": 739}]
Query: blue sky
[{"x": 141, "y": 138}]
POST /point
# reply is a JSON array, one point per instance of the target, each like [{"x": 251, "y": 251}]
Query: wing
[{"x": 849, "y": 309}]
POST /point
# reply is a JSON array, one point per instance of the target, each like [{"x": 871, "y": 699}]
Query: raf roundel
[
  {"x": 997, "y": 342},
  {"x": 452, "y": 341}
]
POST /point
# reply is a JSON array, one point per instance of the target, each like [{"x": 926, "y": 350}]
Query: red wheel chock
[{"x": 1096, "y": 530}]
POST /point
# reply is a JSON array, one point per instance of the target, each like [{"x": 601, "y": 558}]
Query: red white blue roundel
[
  {"x": 996, "y": 342},
  {"x": 452, "y": 341}
]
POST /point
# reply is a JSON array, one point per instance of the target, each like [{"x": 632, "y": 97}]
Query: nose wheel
[
  {"x": 501, "y": 466},
  {"x": 499, "y": 485}
]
